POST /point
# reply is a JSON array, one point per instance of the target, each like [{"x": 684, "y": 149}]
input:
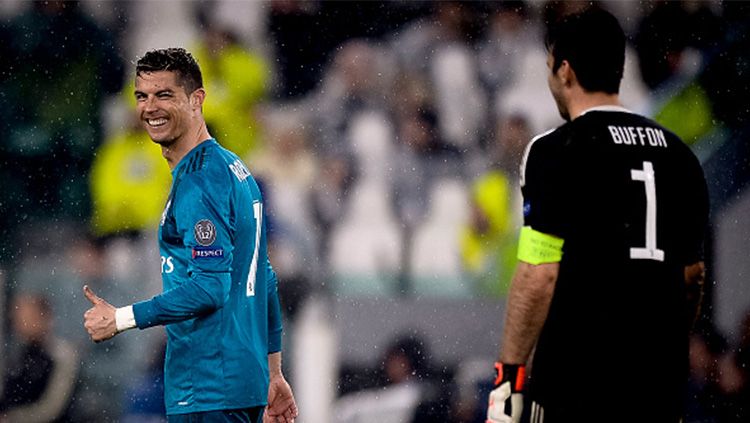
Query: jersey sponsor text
[{"x": 167, "y": 264}]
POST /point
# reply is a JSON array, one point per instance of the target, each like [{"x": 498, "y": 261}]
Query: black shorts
[
  {"x": 593, "y": 412},
  {"x": 243, "y": 415}
]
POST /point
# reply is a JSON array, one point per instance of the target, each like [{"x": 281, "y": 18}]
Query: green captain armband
[{"x": 535, "y": 247}]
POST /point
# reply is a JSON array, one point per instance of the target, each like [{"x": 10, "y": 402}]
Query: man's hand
[
  {"x": 506, "y": 400},
  {"x": 99, "y": 320},
  {"x": 281, "y": 407}
]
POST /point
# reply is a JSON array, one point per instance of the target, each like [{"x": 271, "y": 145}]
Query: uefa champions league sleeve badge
[{"x": 205, "y": 232}]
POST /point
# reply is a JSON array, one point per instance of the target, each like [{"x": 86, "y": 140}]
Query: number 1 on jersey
[
  {"x": 650, "y": 252},
  {"x": 258, "y": 215}
]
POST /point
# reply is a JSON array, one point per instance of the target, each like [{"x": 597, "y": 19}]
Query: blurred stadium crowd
[{"x": 387, "y": 138}]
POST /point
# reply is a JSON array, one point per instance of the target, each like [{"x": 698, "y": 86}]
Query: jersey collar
[
  {"x": 183, "y": 162},
  {"x": 607, "y": 108}
]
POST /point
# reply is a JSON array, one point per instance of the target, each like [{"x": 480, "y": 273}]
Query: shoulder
[
  {"x": 675, "y": 144},
  {"x": 543, "y": 147},
  {"x": 207, "y": 171}
]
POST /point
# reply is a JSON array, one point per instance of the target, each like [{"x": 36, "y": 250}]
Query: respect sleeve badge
[{"x": 200, "y": 252}]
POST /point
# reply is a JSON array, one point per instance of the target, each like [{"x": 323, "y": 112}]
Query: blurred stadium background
[{"x": 386, "y": 137}]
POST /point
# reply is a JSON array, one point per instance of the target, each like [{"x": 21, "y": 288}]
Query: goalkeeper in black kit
[{"x": 610, "y": 270}]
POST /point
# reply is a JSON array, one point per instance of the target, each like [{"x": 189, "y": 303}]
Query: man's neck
[
  {"x": 584, "y": 100},
  {"x": 181, "y": 147}
]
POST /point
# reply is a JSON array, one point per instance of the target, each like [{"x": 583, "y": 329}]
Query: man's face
[
  {"x": 556, "y": 87},
  {"x": 164, "y": 108},
  {"x": 28, "y": 319}
]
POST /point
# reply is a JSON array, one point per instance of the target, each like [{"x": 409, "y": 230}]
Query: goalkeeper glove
[{"x": 506, "y": 400}]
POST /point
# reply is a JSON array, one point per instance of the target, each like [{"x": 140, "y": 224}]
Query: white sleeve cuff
[{"x": 124, "y": 318}]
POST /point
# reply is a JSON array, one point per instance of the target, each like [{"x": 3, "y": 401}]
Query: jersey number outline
[
  {"x": 258, "y": 215},
  {"x": 650, "y": 252}
]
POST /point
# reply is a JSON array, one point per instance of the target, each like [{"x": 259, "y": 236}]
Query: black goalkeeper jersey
[{"x": 629, "y": 198}]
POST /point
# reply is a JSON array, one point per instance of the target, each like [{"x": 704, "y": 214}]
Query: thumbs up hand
[{"x": 99, "y": 320}]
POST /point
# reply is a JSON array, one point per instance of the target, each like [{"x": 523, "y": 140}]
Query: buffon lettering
[{"x": 637, "y": 135}]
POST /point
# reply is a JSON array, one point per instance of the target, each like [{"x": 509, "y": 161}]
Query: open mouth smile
[{"x": 155, "y": 123}]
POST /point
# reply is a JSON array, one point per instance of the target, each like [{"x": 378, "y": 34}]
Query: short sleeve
[
  {"x": 543, "y": 188},
  {"x": 697, "y": 212}
]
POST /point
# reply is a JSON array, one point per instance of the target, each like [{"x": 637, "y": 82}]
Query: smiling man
[{"x": 220, "y": 303}]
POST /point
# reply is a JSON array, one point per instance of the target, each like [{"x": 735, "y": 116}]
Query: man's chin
[{"x": 164, "y": 142}]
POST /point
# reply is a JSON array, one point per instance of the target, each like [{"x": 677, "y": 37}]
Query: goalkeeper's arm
[{"x": 528, "y": 305}]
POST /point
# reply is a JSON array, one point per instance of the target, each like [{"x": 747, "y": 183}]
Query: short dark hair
[
  {"x": 174, "y": 59},
  {"x": 593, "y": 43}
]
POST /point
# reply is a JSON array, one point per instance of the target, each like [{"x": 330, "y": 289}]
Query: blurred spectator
[
  {"x": 237, "y": 79},
  {"x": 288, "y": 168},
  {"x": 460, "y": 102},
  {"x": 352, "y": 112},
  {"x": 59, "y": 277},
  {"x": 306, "y": 33},
  {"x": 7, "y": 98},
  {"x": 661, "y": 40},
  {"x": 42, "y": 369},
  {"x": 704, "y": 396},
  {"x": 743, "y": 362},
  {"x": 727, "y": 72},
  {"x": 669, "y": 66},
  {"x": 447, "y": 22},
  {"x": 510, "y": 36},
  {"x": 354, "y": 84},
  {"x": 299, "y": 53},
  {"x": 421, "y": 159},
  {"x": 144, "y": 397},
  {"x": 422, "y": 156},
  {"x": 329, "y": 197},
  {"x": 513, "y": 55},
  {"x": 727, "y": 82},
  {"x": 473, "y": 389},
  {"x": 129, "y": 181},
  {"x": 406, "y": 369},
  {"x": 440, "y": 48},
  {"x": 366, "y": 244},
  {"x": 63, "y": 66},
  {"x": 434, "y": 266},
  {"x": 734, "y": 377},
  {"x": 55, "y": 275},
  {"x": 554, "y": 10},
  {"x": 488, "y": 242},
  {"x": 248, "y": 20}
]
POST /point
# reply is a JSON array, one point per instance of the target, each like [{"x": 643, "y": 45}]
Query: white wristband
[{"x": 124, "y": 318}]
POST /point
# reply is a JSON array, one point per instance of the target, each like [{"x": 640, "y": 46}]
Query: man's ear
[
  {"x": 567, "y": 74},
  {"x": 197, "y": 98}
]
